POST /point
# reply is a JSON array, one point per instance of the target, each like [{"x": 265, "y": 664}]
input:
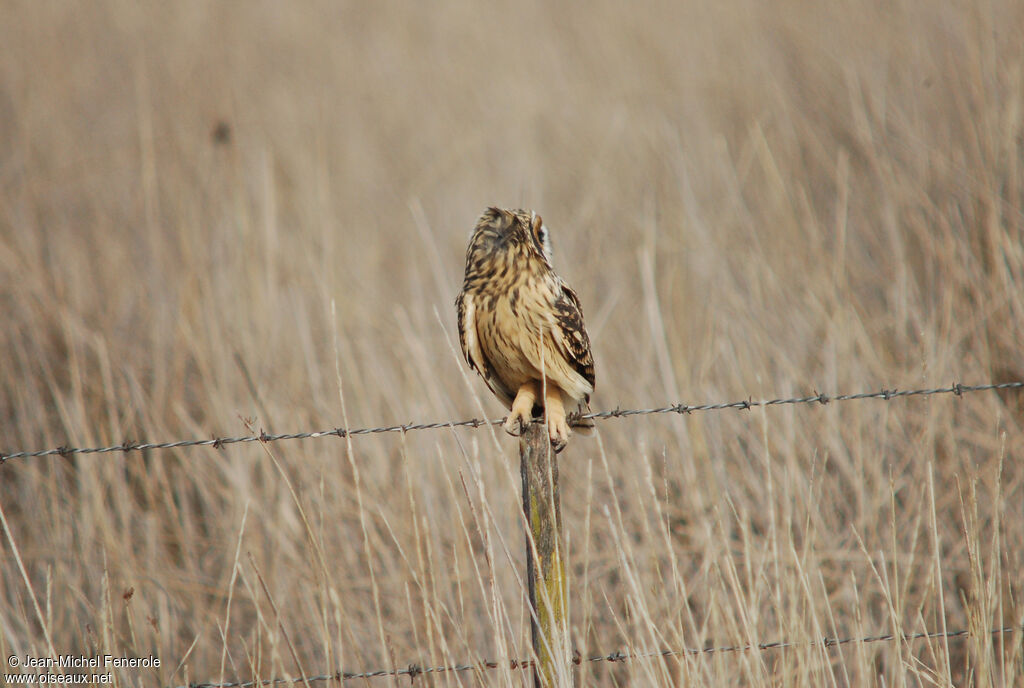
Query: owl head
[{"x": 515, "y": 233}]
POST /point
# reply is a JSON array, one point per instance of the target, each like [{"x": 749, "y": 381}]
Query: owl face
[{"x": 509, "y": 236}]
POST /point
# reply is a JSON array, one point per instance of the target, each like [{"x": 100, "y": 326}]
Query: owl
[{"x": 521, "y": 327}]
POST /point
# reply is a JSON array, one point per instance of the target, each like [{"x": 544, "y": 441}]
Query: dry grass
[{"x": 751, "y": 199}]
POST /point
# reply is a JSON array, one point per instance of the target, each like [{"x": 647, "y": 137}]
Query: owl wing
[
  {"x": 574, "y": 341},
  {"x": 471, "y": 349}
]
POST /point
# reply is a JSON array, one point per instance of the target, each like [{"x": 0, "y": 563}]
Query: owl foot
[
  {"x": 558, "y": 428},
  {"x": 559, "y": 434},
  {"x": 515, "y": 424},
  {"x": 522, "y": 409}
]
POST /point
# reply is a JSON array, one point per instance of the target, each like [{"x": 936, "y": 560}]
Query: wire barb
[{"x": 956, "y": 389}]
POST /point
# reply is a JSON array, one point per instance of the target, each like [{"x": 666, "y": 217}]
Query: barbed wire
[
  {"x": 956, "y": 389},
  {"x": 415, "y": 670}
]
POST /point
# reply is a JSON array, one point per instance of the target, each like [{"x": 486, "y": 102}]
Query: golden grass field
[{"x": 218, "y": 218}]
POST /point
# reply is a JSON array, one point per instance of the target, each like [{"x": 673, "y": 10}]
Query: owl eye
[{"x": 542, "y": 234}]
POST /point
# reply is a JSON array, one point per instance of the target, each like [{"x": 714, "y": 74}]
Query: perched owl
[{"x": 521, "y": 327}]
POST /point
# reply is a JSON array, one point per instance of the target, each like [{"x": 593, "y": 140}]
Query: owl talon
[
  {"x": 514, "y": 425},
  {"x": 558, "y": 443},
  {"x": 558, "y": 428},
  {"x": 522, "y": 407}
]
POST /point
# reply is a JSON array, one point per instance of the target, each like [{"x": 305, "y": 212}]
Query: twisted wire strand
[
  {"x": 956, "y": 389},
  {"x": 414, "y": 670}
]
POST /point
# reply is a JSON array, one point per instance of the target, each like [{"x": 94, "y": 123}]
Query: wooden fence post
[{"x": 545, "y": 569}]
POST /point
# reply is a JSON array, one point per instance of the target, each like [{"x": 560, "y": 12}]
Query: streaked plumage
[{"x": 518, "y": 318}]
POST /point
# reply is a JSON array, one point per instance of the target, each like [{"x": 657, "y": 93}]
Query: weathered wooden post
[{"x": 545, "y": 569}]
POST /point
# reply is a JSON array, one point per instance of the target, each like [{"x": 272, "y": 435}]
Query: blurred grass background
[{"x": 231, "y": 212}]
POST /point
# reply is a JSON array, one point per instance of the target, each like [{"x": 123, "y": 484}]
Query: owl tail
[{"x": 583, "y": 426}]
